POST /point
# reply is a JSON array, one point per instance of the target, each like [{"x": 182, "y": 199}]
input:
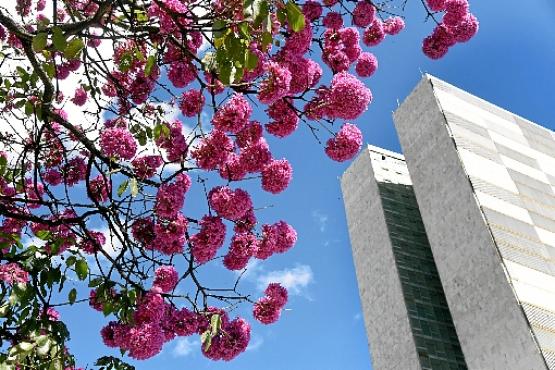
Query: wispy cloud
[
  {"x": 295, "y": 279},
  {"x": 321, "y": 219},
  {"x": 255, "y": 343},
  {"x": 185, "y": 346}
]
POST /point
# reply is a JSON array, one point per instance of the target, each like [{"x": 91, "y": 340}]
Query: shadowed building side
[{"x": 406, "y": 315}]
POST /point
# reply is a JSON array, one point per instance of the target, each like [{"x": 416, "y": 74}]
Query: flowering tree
[{"x": 94, "y": 173}]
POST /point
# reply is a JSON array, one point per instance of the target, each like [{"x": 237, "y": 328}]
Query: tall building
[{"x": 484, "y": 182}]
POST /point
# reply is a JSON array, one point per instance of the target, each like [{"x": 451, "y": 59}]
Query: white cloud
[
  {"x": 185, "y": 346},
  {"x": 295, "y": 279},
  {"x": 321, "y": 219}
]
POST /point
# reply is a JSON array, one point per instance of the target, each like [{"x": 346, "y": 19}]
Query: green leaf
[
  {"x": 261, "y": 12},
  {"x": 122, "y": 187},
  {"x": 71, "y": 261},
  {"x": 150, "y": 62},
  {"x": 40, "y": 41},
  {"x": 125, "y": 61},
  {"x": 72, "y": 296},
  {"x": 3, "y": 165},
  {"x": 206, "y": 340},
  {"x": 295, "y": 17},
  {"x": 82, "y": 269},
  {"x": 251, "y": 60},
  {"x": 134, "y": 187},
  {"x": 74, "y": 48},
  {"x": 95, "y": 282},
  {"x": 58, "y": 39},
  {"x": 215, "y": 324},
  {"x": 43, "y": 234}
]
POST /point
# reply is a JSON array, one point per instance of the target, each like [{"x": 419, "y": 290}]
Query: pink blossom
[
  {"x": 465, "y": 30},
  {"x": 11, "y": 273},
  {"x": 213, "y": 150},
  {"x": 146, "y": 166},
  {"x": 266, "y": 311},
  {"x": 144, "y": 341},
  {"x": 346, "y": 143},
  {"x": 228, "y": 203},
  {"x": 74, "y": 171},
  {"x": 143, "y": 231},
  {"x": 246, "y": 223},
  {"x": 437, "y": 45},
  {"x": 233, "y": 115},
  {"x": 170, "y": 197},
  {"x": 298, "y": 43},
  {"x": 170, "y": 235},
  {"x": 255, "y": 156},
  {"x": 100, "y": 188},
  {"x": 374, "y": 34},
  {"x": 114, "y": 334},
  {"x": 393, "y": 25},
  {"x": 277, "y": 293},
  {"x": 185, "y": 322},
  {"x": 93, "y": 242},
  {"x": 363, "y": 14},
  {"x": 249, "y": 135},
  {"x": 312, "y": 10},
  {"x": 243, "y": 247},
  {"x": 367, "y": 64},
  {"x": 347, "y": 98},
  {"x": 285, "y": 119},
  {"x": 181, "y": 74},
  {"x": 276, "y": 176},
  {"x": 192, "y": 102},
  {"x": 214, "y": 85},
  {"x": 117, "y": 142},
  {"x": 165, "y": 278},
  {"x": 305, "y": 73},
  {"x": 333, "y": 20},
  {"x": 151, "y": 307},
  {"x": 230, "y": 342},
  {"x": 276, "y": 85},
  {"x": 436, "y": 5},
  {"x": 80, "y": 97},
  {"x": 277, "y": 238},
  {"x": 208, "y": 240},
  {"x": 233, "y": 169},
  {"x": 174, "y": 143}
]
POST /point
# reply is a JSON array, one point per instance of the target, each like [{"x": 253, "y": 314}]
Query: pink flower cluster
[
  {"x": 363, "y": 14},
  {"x": 347, "y": 98},
  {"x": 146, "y": 166},
  {"x": 165, "y": 278},
  {"x": 243, "y": 247},
  {"x": 100, "y": 188},
  {"x": 346, "y": 143},
  {"x": 11, "y": 273},
  {"x": 232, "y": 340},
  {"x": 192, "y": 102},
  {"x": 208, "y": 240},
  {"x": 367, "y": 64},
  {"x": 213, "y": 150},
  {"x": 170, "y": 197},
  {"x": 276, "y": 176},
  {"x": 174, "y": 143},
  {"x": 268, "y": 309},
  {"x": 276, "y": 85},
  {"x": 233, "y": 115},
  {"x": 93, "y": 242},
  {"x": 228, "y": 203},
  {"x": 285, "y": 119},
  {"x": 276, "y": 238},
  {"x": 458, "y": 25},
  {"x": 170, "y": 235},
  {"x": 341, "y": 48},
  {"x": 118, "y": 142}
]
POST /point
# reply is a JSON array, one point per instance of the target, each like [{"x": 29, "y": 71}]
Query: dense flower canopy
[{"x": 117, "y": 115}]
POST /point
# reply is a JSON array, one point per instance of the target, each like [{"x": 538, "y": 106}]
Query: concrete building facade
[{"x": 484, "y": 182}]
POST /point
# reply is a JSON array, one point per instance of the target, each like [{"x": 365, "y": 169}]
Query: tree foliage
[{"x": 118, "y": 114}]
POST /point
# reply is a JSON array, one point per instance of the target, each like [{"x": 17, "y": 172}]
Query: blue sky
[{"x": 510, "y": 63}]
